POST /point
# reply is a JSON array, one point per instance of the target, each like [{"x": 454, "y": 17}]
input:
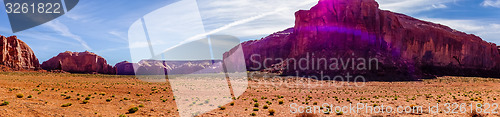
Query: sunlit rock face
[
  {"x": 404, "y": 48},
  {"x": 17, "y": 55},
  {"x": 79, "y": 62}
]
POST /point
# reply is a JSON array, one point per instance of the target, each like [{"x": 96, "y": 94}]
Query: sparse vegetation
[
  {"x": 133, "y": 110},
  {"x": 19, "y": 95},
  {"x": 271, "y": 111},
  {"x": 66, "y": 105},
  {"x": 280, "y": 101},
  {"x": 5, "y": 103}
]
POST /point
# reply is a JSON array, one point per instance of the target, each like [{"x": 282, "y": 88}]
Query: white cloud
[
  {"x": 413, "y": 6},
  {"x": 264, "y": 15},
  {"x": 120, "y": 35},
  {"x": 63, "y": 30},
  {"x": 439, "y": 6},
  {"x": 484, "y": 29},
  {"x": 491, "y": 3}
]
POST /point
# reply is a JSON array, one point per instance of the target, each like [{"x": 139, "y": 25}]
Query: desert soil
[{"x": 44, "y": 94}]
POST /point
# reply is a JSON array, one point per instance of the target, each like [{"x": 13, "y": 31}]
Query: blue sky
[{"x": 102, "y": 26}]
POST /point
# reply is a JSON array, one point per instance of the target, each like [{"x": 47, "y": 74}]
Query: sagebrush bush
[
  {"x": 271, "y": 111},
  {"x": 19, "y": 95},
  {"x": 66, "y": 105},
  {"x": 5, "y": 103},
  {"x": 133, "y": 110}
]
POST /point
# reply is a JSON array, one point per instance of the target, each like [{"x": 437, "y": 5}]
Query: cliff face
[
  {"x": 17, "y": 55},
  {"x": 405, "y": 48},
  {"x": 78, "y": 62}
]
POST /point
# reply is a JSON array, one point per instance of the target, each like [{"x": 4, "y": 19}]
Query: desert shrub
[
  {"x": 475, "y": 114},
  {"x": 255, "y": 109},
  {"x": 255, "y": 100},
  {"x": 66, "y": 105},
  {"x": 339, "y": 112},
  {"x": 256, "y": 105},
  {"x": 85, "y": 101},
  {"x": 19, "y": 95},
  {"x": 141, "y": 105},
  {"x": 108, "y": 100},
  {"x": 87, "y": 98},
  {"x": 271, "y": 111},
  {"x": 122, "y": 115},
  {"x": 315, "y": 103},
  {"x": 102, "y": 93},
  {"x": 222, "y": 108},
  {"x": 232, "y": 103},
  {"x": 133, "y": 110},
  {"x": 5, "y": 103},
  {"x": 30, "y": 96},
  {"x": 67, "y": 97},
  {"x": 253, "y": 114},
  {"x": 265, "y": 106},
  {"x": 280, "y": 101}
]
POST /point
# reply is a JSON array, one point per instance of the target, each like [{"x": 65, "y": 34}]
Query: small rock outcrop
[
  {"x": 125, "y": 68},
  {"x": 78, "y": 62},
  {"x": 17, "y": 55}
]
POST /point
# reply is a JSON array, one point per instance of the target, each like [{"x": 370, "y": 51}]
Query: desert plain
[{"x": 64, "y": 94}]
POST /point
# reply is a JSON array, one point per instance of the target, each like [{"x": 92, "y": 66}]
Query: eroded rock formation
[
  {"x": 405, "y": 48},
  {"x": 17, "y": 55},
  {"x": 78, "y": 62}
]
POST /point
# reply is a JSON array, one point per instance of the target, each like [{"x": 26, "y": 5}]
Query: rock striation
[
  {"x": 401, "y": 47},
  {"x": 17, "y": 55},
  {"x": 78, "y": 62}
]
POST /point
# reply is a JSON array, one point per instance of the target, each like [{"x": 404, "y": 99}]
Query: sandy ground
[{"x": 44, "y": 94}]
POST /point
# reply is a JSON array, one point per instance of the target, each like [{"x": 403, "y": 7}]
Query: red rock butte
[
  {"x": 406, "y": 48},
  {"x": 17, "y": 55},
  {"x": 79, "y": 62}
]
